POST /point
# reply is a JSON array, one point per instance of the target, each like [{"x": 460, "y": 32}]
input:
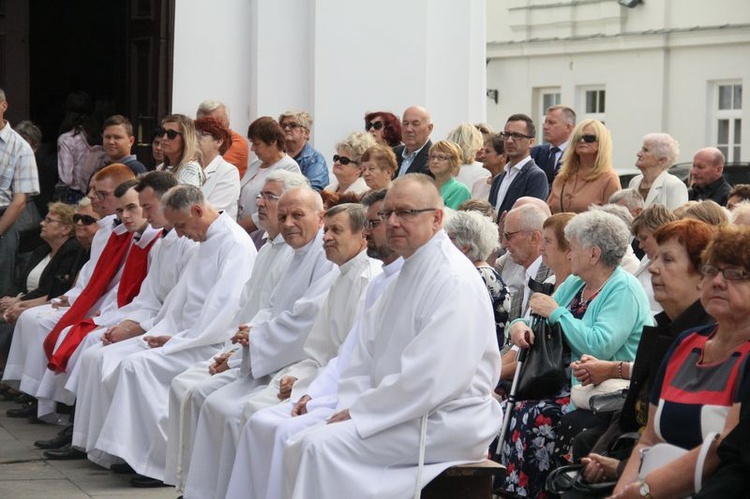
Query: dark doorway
[{"x": 117, "y": 51}]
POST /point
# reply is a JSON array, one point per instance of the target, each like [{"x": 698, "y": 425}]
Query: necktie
[{"x": 553, "y": 158}]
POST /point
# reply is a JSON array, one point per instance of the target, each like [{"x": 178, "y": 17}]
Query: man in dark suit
[
  {"x": 416, "y": 127},
  {"x": 558, "y": 124},
  {"x": 522, "y": 177}
]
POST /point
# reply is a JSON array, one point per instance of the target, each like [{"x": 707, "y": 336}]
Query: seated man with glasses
[{"x": 522, "y": 177}]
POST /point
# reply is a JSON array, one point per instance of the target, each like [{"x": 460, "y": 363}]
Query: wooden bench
[{"x": 464, "y": 481}]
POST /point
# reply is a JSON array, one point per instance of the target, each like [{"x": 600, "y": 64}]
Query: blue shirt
[{"x": 313, "y": 166}]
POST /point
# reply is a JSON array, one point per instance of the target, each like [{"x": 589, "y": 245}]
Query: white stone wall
[{"x": 337, "y": 59}]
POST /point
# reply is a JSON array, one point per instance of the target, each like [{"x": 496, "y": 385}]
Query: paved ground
[{"x": 24, "y": 474}]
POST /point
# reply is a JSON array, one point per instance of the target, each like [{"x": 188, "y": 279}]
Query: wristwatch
[{"x": 644, "y": 490}]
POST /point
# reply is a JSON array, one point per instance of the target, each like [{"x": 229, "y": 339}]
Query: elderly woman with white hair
[
  {"x": 601, "y": 310},
  {"x": 347, "y": 164},
  {"x": 658, "y": 152},
  {"x": 476, "y": 236}
]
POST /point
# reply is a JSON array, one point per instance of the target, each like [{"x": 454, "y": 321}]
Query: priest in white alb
[
  {"x": 194, "y": 322},
  {"x": 224, "y": 412},
  {"x": 273, "y": 259},
  {"x": 416, "y": 396},
  {"x": 257, "y": 466},
  {"x": 285, "y": 322}
]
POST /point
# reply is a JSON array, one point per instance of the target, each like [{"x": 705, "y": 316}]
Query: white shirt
[{"x": 511, "y": 173}]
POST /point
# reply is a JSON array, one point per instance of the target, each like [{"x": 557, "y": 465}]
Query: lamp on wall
[
  {"x": 629, "y": 3},
  {"x": 493, "y": 94}
]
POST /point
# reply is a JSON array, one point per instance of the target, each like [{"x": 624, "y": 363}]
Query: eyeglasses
[
  {"x": 102, "y": 194},
  {"x": 84, "y": 219},
  {"x": 514, "y": 135},
  {"x": 267, "y": 196},
  {"x": 509, "y": 235},
  {"x": 291, "y": 125},
  {"x": 377, "y": 125},
  {"x": 343, "y": 160},
  {"x": 438, "y": 157},
  {"x": 48, "y": 220},
  {"x": 729, "y": 273},
  {"x": 588, "y": 138},
  {"x": 402, "y": 214},
  {"x": 171, "y": 134},
  {"x": 371, "y": 223}
]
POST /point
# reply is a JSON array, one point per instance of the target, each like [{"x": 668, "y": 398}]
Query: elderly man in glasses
[
  {"x": 297, "y": 126},
  {"x": 522, "y": 176}
]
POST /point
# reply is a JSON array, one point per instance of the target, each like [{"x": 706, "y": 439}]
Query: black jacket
[{"x": 59, "y": 274}]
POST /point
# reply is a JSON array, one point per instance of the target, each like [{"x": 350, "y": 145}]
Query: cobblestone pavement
[{"x": 24, "y": 474}]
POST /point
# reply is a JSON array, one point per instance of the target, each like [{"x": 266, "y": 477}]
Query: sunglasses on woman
[
  {"x": 588, "y": 138},
  {"x": 377, "y": 125},
  {"x": 84, "y": 219},
  {"x": 171, "y": 134},
  {"x": 343, "y": 160}
]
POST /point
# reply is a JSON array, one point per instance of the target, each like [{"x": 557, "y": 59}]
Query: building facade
[{"x": 674, "y": 66}]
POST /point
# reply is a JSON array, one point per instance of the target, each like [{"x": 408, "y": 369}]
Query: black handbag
[{"x": 543, "y": 366}]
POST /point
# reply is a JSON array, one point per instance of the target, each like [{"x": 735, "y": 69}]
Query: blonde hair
[
  {"x": 190, "y": 149},
  {"x": 452, "y": 150},
  {"x": 571, "y": 161},
  {"x": 469, "y": 139}
]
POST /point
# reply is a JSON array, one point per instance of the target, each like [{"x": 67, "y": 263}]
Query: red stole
[
  {"x": 136, "y": 267},
  {"x": 106, "y": 268}
]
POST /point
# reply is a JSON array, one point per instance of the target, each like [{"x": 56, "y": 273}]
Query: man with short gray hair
[
  {"x": 238, "y": 152},
  {"x": 522, "y": 240},
  {"x": 297, "y": 126},
  {"x": 707, "y": 177},
  {"x": 197, "y": 318},
  {"x": 21, "y": 181}
]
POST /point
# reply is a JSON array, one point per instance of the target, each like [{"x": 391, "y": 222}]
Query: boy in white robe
[
  {"x": 421, "y": 375},
  {"x": 225, "y": 411}
]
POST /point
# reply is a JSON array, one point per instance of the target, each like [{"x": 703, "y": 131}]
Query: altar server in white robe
[
  {"x": 109, "y": 286},
  {"x": 34, "y": 324},
  {"x": 224, "y": 412},
  {"x": 293, "y": 306},
  {"x": 272, "y": 262},
  {"x": 194, "y": 322},
  {"x": 257, "y": 467},
  {"x": 421, "y": 376},
  {"x": 167, "y": 259}
]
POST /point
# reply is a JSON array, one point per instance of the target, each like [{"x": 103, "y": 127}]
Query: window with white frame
[
  {"x": 545, "y": 97},
  {"x": 728, "y": 119},
  {"x": 593, "y": 102}
]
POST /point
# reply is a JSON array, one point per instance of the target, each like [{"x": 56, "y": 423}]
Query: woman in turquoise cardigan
[
  {"x": 601, "y": 310},
  {"x": 444, "y": 161}
]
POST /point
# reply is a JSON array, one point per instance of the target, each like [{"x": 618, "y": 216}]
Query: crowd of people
[{"x": 238, "y": 321}]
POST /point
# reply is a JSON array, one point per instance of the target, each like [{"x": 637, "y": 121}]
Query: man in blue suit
[
  {"x": 558, "y": 124},
  {"x": 522, "y": 177}
]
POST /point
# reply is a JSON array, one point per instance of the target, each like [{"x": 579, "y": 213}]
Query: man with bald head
[
  {"x": 436, "y": 319},
  {"x": 707, "y": 177},
  {"x": 416, "y": 127}
]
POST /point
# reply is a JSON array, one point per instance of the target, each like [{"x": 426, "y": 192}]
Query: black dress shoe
[
  {"x": 146, "y": 482},
  {"x": 65, "y": 437},
  {"x": 25, "y": 411},
  {"x": 64, "y": 453},
  {"x": 122, "y": 469}
]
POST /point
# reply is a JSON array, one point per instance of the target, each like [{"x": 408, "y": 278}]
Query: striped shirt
[{"x": 18, "y": 173}]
